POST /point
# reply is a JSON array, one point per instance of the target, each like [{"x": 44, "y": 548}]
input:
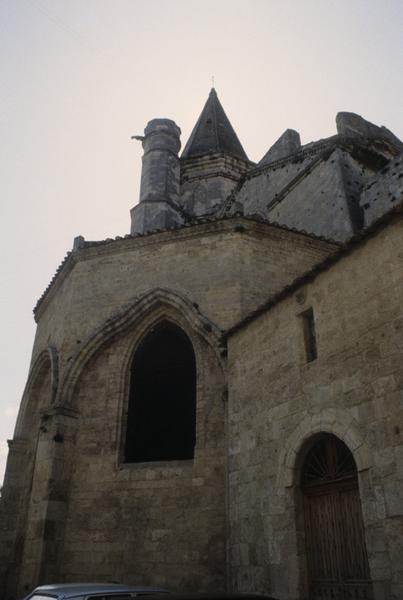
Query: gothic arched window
[{"x": 161, "y": 419}]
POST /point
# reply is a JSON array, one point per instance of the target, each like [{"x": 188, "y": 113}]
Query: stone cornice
[
  {"x": 213, "y": 165},
  {"x": 213, "y": 174},
  {"x": 148, "y": 309},
  {"x": 55, "y": 411}
]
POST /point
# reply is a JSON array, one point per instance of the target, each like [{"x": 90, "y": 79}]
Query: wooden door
[{"x": 334, "y": 531}]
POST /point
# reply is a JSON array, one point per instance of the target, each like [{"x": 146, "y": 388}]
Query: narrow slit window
[{"x": 309, "y": 335}]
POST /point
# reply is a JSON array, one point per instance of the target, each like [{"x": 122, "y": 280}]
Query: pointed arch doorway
[{"x": 334, "y": 531}]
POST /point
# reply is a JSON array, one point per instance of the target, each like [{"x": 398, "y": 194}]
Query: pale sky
[{"x": 79, "y": 77}]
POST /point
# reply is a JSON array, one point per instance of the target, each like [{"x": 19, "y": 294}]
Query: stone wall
[
  {"x": 88, "y": 515},
  {"x": 73, "y": 509},
  {"x": 354, "y": 389},
  {"x": 21, "y": 497},
  {"x": 154, "y": 523},
  {"x": 204, "y": 263},
  {"x": 207, "y": 181}
]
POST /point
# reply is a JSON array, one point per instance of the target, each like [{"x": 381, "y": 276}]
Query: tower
[{"x": 159, "y": 192}]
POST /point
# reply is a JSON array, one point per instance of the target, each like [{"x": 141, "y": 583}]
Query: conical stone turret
[
  {"x": 213, "y": 133},
  {"x": 212, "y": 162}
]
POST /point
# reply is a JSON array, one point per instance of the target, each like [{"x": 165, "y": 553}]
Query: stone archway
[
  {"x": 291, "y": 460},
  {"x": 39, "y": 393},
  {"x": 143, "y": 314},
  {"x": 129, "y": 483},
  {"x": 26, "y": 488},
  {"x": 334, "y": 421},
  {"x": 337, "y": 561}
]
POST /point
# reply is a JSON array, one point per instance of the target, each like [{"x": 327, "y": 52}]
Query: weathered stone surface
[
  {"x": 207, "y": 181},
  {"x": 318, "y": 191},
  {"x": 159, "y": 190},
  {"x": 282, "y": 399},
  {"x": 288, "y": 143},
  {"x": 171, "y": 516},
  {"x": 383, "y": 192},
  {"x": 215, "y": 265},
  {"x": 239, "y": 288},
  {"x": 150, "y": 216},
  {"x": 351, "y": 124}
]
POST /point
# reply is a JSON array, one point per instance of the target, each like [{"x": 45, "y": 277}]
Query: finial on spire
[{"x": 212, "y": 81}]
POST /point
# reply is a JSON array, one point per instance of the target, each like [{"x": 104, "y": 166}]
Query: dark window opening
[
  {"x": 309, "y": 335},
  {"x": 328, "y": 461},
  {"x": 161, "y": 420}
]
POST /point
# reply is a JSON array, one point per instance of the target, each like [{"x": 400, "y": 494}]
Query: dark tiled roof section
[
  {"x": 65, "y": 266},
  {"x": 213, "y": 133},
  {"x": 354, "y": 242}
]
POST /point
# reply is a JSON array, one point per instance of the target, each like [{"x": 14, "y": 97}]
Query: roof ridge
[{"x": 214, "y": 93}]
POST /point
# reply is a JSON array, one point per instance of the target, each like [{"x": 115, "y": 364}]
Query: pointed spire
[{"x": 213, "y": 132}]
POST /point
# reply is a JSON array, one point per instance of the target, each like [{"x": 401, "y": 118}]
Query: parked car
[
  {"x": 93, "y": 591},
  {"x": 216, "y": 596},
  {"x": 118, "y": 591}
]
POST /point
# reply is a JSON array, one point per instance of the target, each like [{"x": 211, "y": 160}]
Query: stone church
[{"x": 215, "y": 400}]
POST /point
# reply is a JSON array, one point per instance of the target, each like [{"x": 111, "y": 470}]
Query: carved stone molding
[
  {"x": 334, "y": 421},
  {"x": 156, "y": 304}
]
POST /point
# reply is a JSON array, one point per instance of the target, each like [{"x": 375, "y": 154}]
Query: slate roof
[{"x": 213, "y": 133}]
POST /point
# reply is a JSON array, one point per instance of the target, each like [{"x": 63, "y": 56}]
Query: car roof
[
  {"x": 67, "y": 590},
  {"x": 215, "y": 596}
]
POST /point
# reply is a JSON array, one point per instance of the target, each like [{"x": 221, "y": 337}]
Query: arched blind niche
[
  {"x": 36, "y": 397},
  {"x": 161, "y": 420}
]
